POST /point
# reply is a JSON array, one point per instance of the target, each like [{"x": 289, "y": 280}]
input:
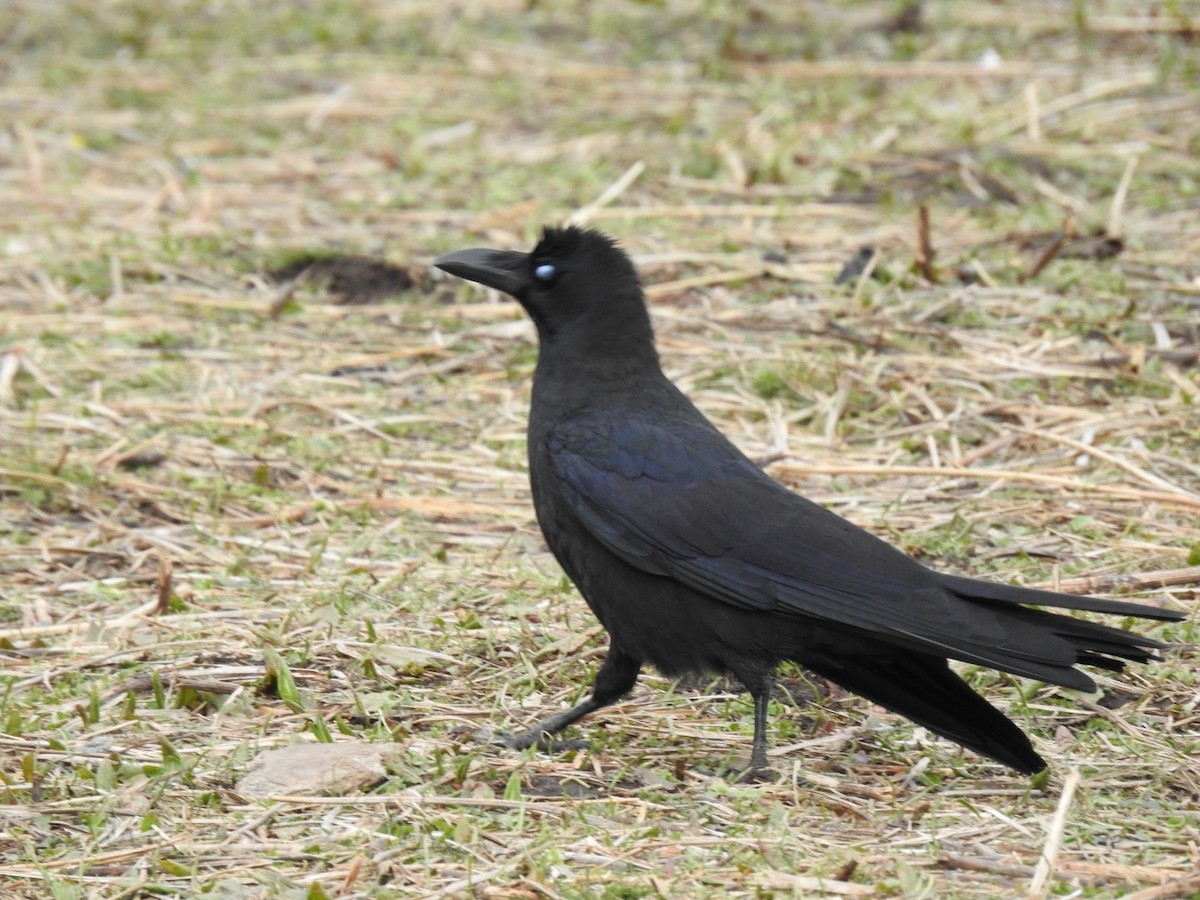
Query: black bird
[{"x": 694, "y": 560}]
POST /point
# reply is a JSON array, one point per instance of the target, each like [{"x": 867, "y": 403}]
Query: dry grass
[{"x": 238, "y": 514}]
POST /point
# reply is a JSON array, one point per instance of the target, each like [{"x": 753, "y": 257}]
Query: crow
[{"x": 695, "y": 561}]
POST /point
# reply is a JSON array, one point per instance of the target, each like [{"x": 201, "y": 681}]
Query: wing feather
[{"x": 677, "y": 499}]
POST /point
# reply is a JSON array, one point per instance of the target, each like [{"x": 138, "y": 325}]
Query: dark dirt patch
[
  {"x": 352, "y": 279},
  {"x": 1098, "y": 245}
]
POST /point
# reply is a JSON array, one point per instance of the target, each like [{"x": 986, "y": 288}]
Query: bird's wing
[{"x": 676, "y": 498}]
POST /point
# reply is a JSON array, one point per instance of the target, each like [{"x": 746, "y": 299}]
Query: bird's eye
[{"x": 545, "y": 272}]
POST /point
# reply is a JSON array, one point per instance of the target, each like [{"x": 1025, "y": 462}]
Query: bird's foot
[
  {"x": 495, "y": 738},
  {"x": 751, "y": 775},
  {"x": 546, "y": 743},
  {"x": 755, "y": 771}
]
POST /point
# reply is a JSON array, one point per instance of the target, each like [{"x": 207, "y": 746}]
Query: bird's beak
[{"x": 504, "y": 270}]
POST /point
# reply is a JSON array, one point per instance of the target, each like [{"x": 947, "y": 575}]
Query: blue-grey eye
[{"x": 545, "y": 272}]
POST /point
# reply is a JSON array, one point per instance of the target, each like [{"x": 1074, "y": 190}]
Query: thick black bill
[{"x": 504, "y": 270}]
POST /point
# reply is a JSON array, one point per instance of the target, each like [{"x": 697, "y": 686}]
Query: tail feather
[
  {"x": 924, "y": 689},
  {"x": 975, "y": 589},
  {"x": 1047, "y": 645},
  {"x": 1011, "y": 636}
]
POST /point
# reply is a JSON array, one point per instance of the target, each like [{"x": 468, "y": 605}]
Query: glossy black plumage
[{"x": 695, "y": 560}]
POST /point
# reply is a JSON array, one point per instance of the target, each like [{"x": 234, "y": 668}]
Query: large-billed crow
[{"x": 694, "y": 560}]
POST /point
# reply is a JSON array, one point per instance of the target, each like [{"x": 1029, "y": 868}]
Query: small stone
[{"x": 329, "y": 769}]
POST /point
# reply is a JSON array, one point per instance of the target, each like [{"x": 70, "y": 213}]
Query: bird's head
[{"x": 577, "y": 285}]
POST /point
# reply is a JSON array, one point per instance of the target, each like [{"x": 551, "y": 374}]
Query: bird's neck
[
  {"x": 614, "y": 340},
  {"x": 592, "y": 364}
]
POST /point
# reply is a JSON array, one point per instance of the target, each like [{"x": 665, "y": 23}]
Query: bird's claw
[
  {"x": 498, "y": 739},
  {"x": 544, "y": 742},
  {"x": 752, "y": 775}
]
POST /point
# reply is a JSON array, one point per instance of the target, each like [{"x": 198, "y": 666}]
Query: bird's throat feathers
[{"x": 616, "y": 350}]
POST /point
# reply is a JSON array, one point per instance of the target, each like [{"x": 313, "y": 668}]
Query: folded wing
[{"x": 678, "y": 499}]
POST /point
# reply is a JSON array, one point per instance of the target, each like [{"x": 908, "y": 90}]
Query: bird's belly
[{"x": 658, "y": 620}]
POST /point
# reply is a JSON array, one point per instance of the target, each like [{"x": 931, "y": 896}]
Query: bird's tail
[
  {"x": 923, "y": 688},
  {"x": 1035, "y": 643},
  {"x": 1047, "y": 646}
]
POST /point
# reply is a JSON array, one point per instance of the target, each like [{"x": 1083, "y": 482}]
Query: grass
[{"x": 237, "y": 513}]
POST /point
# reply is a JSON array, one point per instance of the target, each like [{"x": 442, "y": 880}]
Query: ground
[{"x": 262, "y": 469}]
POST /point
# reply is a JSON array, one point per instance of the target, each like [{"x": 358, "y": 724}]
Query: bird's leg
[
  {"x": 615, "y": 679},
  {"x": 759, "y": 684},
  {"x": 758, "y": 750}
]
